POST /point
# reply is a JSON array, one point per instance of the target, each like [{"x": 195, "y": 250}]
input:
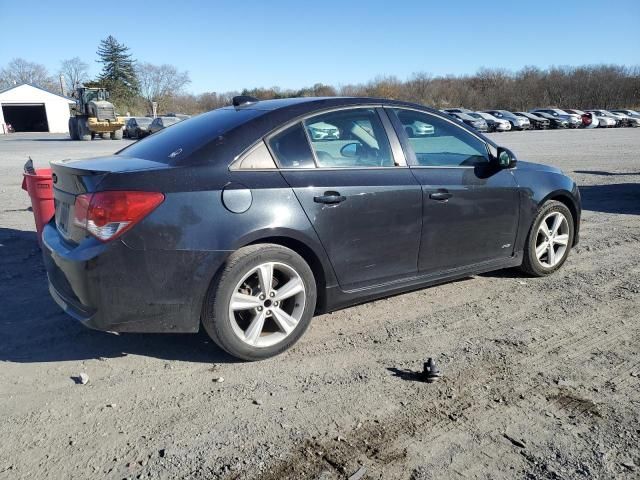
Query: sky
[{"x": 231, "y": 45}]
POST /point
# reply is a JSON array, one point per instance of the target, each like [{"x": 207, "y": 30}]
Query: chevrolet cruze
[{"x": 243, "y": 221}]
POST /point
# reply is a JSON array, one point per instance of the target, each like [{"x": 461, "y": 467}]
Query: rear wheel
[
  {"x": 549, "y": 241},
  {"x": 261, "y": 303},
  {"x": 117, "y": 135},
  {"x": 73, "y": 128}
]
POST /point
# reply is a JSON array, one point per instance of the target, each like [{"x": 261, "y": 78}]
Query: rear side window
[
  {"x": 349, "y": 138},
  {"x": 291, "y": 148},
  {"x": 438, "y": 142},
  {"x": 189, "y": 135}
]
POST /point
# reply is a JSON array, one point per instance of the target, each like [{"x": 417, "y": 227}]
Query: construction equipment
[{"x": 93, "y": 115}]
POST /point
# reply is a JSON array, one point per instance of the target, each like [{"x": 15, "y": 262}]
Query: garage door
[{"x": 26, "y": 117}]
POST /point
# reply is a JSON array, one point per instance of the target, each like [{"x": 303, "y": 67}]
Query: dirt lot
[{"x": 541, "y": 376}]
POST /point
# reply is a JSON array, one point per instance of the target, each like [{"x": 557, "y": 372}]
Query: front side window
[
  {"x": 444, "y": 145},
  {"x": 351, "y": 138}
]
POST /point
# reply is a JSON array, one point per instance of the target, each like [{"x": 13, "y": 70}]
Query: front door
[
  {"x": 364, "y": 204},
  {"x": 470, "y": 207}
]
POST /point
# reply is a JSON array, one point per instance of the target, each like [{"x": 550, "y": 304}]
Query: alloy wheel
[
  {"x": 552, "y": 239},
  {"x": 267, "y": 304}
]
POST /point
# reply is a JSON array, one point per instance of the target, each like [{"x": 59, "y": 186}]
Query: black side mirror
[{"x": 505, "y": 158}]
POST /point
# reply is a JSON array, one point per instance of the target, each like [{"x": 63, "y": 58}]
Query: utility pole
[{"x": 62, "y": 85}]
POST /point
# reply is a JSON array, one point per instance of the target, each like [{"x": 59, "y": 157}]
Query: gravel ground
[{"x": 541, "y": 376}]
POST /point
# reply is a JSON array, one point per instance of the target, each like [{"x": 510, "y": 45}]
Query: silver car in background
[
  {"x": 628, "y": 112},
  {"x": 517, "y": 123},
  {"x": 627, "y": 120},
  {"x": 604, "y": 121},
  {"x": 502, "y": 125}
]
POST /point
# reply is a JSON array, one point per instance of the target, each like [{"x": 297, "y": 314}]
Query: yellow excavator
[{"x": 93, "y": 115}]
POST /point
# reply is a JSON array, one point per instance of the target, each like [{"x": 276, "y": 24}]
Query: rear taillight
[{"x": 106, "y": 215}]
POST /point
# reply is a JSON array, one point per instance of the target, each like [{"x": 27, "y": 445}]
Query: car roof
[
  {"x": 254, "y": 121},
  {"x": 311, "y": 103}
]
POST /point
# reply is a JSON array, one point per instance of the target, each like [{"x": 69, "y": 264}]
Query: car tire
[
  {"x": 539, "y": 261},
  {"x": 233, "y": 328}
]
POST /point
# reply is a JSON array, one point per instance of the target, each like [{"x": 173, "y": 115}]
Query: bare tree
[
  {"x": 19, "y": 71},
  {"x": 160, "y": 82},
  {"x": 75, "y": 72}
]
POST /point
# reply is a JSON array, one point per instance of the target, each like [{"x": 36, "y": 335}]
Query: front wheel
[
  {"x": 261, "y": 303},
  {"x": 549, "y": 241}
]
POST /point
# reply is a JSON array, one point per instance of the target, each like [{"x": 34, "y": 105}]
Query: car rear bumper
[{"x": 113, "y": 287}]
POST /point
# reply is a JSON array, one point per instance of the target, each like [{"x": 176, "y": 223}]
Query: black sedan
[
  {"x": 537, "y": 122},
  {"x": 137, "y": 127},
  {"x": 242, "y": 222},
  {"x": 478, "y": 124}
]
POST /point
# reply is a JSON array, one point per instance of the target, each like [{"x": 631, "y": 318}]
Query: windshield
[
  {"x": 464, "y": 116},
  {"x": 90, "y": 95},
  {"x": 144, "y": 121}
]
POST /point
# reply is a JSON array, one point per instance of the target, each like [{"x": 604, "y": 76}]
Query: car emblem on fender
[{"x": 176, "y": 153}]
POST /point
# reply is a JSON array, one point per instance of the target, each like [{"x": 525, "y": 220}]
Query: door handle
[
  {"x": 330, "y": 198},
  {"x": 441, "y": 195}
]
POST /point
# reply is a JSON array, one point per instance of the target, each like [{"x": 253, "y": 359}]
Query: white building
[{"x": 31, "y": 109}]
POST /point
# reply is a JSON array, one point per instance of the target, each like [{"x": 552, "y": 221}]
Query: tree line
[{"x": 135, "y": 86}]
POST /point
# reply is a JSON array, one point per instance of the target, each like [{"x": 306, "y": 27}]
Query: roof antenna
[{"x": 242, "y": 100}]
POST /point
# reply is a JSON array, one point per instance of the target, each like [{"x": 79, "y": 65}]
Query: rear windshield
[{"x": 170, "y": 145}]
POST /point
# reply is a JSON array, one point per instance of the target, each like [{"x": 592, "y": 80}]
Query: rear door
[
  {"x": 357, "y": 191},
  {"x": 470, "y": 208}
]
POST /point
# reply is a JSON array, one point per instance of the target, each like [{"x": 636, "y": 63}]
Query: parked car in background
[
  {"x": 494, "y": 124},
  {"x": 627, "y": 121},
  {"x": 517, "y": 123},
  {"x": 604, "y": 121},
  {"x": 536, "y": 122},
  {"x": 588, "y": 119},
  {"x": 159, "y": 123},
  {"x": 631, "y": 113},
  {"x": 137, "y": 127},
  {"x": 573, "y": 121},
  {"x": 600, "y": 113},
  {"x": 181, "y": 116},
  {"x": 456, "y": 110},
  {"x": 250, "y": 237},
  {"x": 556, "y": 121},
  {"x": 415, "y": 128},
  {"x": 323, "y": 131},
  {"x": 478, "y": 123}
]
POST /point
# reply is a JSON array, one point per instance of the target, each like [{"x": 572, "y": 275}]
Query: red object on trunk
[{"x": 40, "y": 189}]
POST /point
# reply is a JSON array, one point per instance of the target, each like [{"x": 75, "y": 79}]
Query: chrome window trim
[{"x": 320, "y": 169}]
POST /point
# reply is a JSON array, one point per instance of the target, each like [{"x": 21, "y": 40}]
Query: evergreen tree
[{"x": 118, "y": 70}]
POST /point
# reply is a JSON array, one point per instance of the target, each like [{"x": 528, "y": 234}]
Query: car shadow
[
  {"x": 34, "y": 329},
  {"x": 605, "y": 174},
  {"x": 612, "y": 198}
]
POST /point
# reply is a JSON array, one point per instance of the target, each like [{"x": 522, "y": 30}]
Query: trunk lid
[{"x": 76, "y": 177}]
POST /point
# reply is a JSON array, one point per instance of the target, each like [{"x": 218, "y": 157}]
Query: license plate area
[{"x": 62, "y": 216}]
